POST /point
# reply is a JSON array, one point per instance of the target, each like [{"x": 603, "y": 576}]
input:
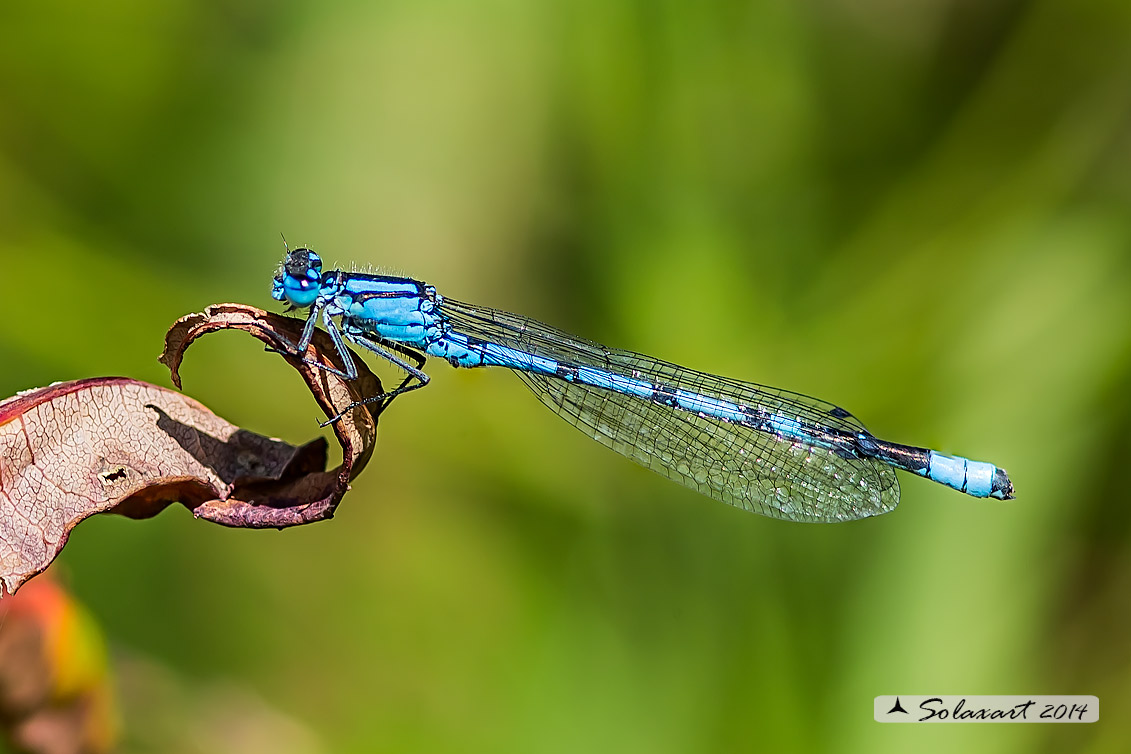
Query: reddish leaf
[
  {"x": 55, "y": 691},
  {"x": 74, "y": 449}
]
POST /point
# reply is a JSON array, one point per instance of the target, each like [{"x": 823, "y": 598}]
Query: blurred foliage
[
  {"x": 917, "y": 210},
  {"x": 55, "y": 690}
]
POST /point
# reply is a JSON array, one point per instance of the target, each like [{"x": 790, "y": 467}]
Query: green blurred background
[{"x": 920, "y": 211}]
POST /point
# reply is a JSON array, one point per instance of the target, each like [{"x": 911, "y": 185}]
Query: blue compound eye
[{"x": 298, "y": 280}]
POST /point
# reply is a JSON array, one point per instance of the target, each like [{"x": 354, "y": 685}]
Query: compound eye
[
  {"x": 303, "y": 263},
  {"x": 299, "y": 279}
]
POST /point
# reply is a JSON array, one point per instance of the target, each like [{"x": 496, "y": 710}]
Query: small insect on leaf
[{"x": 112, "y": 444}]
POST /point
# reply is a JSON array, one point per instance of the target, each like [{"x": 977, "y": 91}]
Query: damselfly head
[{"x": 298, "y": 280}]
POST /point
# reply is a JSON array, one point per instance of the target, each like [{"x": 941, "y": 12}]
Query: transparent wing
[{"x": 739, "y": 465}]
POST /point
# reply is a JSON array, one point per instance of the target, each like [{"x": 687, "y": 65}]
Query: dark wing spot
[
  {"x": 665, "y": 396},
  {"x": 566, "y": 372}
]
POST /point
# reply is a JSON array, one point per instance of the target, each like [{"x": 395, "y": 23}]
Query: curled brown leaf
[{"x": 112, "y": 444}]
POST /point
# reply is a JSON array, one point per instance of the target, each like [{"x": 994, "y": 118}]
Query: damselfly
[{"x": 771, "y": 451}]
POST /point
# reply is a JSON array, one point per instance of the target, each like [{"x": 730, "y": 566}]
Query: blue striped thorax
[
  {"x": 299, "y": 278},
  {"x": 387, "y": 307}
]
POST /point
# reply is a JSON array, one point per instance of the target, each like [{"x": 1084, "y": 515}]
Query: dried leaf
[
  {"x": 78, "y": 448},
  {"x": 356, "y": 431}
]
